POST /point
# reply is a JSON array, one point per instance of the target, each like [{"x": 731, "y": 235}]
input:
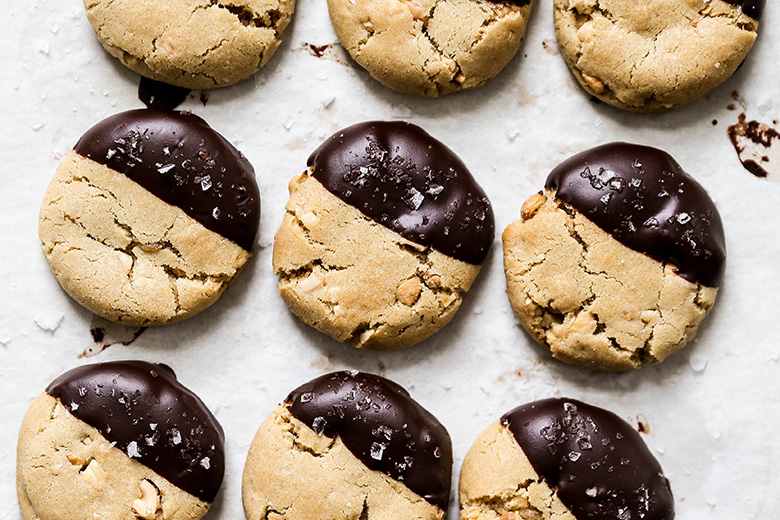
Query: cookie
[
  {"x": 431, "y": 47},
  {"x": 196, "y": 44},
  {"x": 562, "y": 459},
  {"x": 119, "y": 440},
  {"x": 654, "y": 57},
  {"x": 381, "y": 236},
  {"x": 150, "y": 217},
  {"x": 348, "y": 445},
  {"x": 616, "y": 263}
]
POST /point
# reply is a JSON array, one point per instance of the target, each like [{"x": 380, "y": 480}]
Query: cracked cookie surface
[
  {"x": 126, "y": 255},
  {"x": 591, "y": 300},
  {"x": 498, "y": 482},
  {"x": 652, "y": 56},
  {"x": 197, "y": 44},
  {"x": 358, "y": 281},
  {"x": 430, "y": 47},
  {"x": 292, "y": 473},
  {"x": 348, "y": 445}
]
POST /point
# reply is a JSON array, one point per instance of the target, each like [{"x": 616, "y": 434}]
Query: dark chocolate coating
[
  {"x": 644, "y": 199},
  {"x": 382, "y": 426},
  {"x": 600, "y": 466},
  {"x": 156, "y": 94},
  {"x": 180, "y": 159},
  {"x": 399, "y": 176},
  {"x": 752, "y": 8},
  {"x": 150, "y": 416}
]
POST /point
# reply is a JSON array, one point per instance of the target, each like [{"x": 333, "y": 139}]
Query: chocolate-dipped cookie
[
  {"x": 150, "y": 217},
  {"x": 655, "y": 57},
  {"x": 348, "y": 445},
  {"x": 381, "y": 236},
  {"x": 616, "y": 263},
  {"x": 431, "y": 47},
  {"x": 562, "y": 459},
  {"x": 195, "y": 44},
  {"x": 122, "y": 440}
]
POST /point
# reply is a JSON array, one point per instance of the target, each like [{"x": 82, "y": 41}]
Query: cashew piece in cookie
[{"x": 147, "y": 506}]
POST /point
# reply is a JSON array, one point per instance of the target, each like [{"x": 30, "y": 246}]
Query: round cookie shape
[
  {"x": 431, "y": 47},
  {"x": 196, "y": 44},
  {"x": 348, "y": 445},
  {"x": 382, "y": 235},
  {"x": 381, "y": 425},
  {"x": 659, "y": 58},
  {"x": 616, "y": 263},
  {"x": 180, "y": 159},
  {"x": 150, "y": 217},
  {"x": 398, "y": 175},
  {"x": 565, "y": 459},
  {"x": 643, "y": 198},
  {"x": 126, "y": 438}
]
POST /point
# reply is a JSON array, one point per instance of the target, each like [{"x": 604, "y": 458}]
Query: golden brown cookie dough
[
  {"x": 582, "y": 292},
  {"x": 127, "y": 255},
  {"x": 653, "y": 56},
  {"x": 332, "y": 452},
  {"x": 196, "y": 44},
  {"x": 381, "y": 236},
  {"x": 358, "y": 281},
  {"x": 430, "y": 47}
]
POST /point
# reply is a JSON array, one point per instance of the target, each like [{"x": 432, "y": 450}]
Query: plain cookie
[
  {"x": 122, "y": 441},
  {"x": 348, "y": 446},
  {"x": 618, "y": 261},
  {"x": 561, "y": 459},
  {"x": 382, "y": 236},
  {"x": 150, "y": 217},
  {"x": 654, "y": 56},
  {"x": 431, "y": 47},
  {"x": 197, "y": 44}
]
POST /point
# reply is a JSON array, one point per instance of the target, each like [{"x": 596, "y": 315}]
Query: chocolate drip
[
  {"x": 752, "y": 8},
  {"x": 180, "y": 159},
  {"x": 600, "y": 466},
  {"x": 156, "y": 94},
  {"x": 399, "y": 176},
  {"x": 382, "y": 426},
  {"x": 644, "y": 199},
  {"x": 151, "y": 417}
]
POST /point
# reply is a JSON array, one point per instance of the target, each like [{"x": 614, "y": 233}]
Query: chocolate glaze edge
[
  {"x": 752, "y": 8},
  {"x": 599, "y": 466},
  {"x": 152, "y": 418},
  {"x": 399, "y": 176},
  {"x": 379, "y": 423},
  {"x": 646, "y": 201},
  {"x": 181, "y": 160}
]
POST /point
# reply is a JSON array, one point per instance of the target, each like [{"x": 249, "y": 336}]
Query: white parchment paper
[{"x": 710, "y": 412}]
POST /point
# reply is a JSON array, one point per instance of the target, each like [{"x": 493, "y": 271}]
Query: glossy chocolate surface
[
  {"x": 382, "y": 426},
  {"x": 180, "y": 159},
  {"x": 399, "y": 176},
  {"x": 644, "y": 199},
  {"x": 152, "y": 418},
  {"x": 752, "y": 8},
  {"x": 600, "y": 466}
]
